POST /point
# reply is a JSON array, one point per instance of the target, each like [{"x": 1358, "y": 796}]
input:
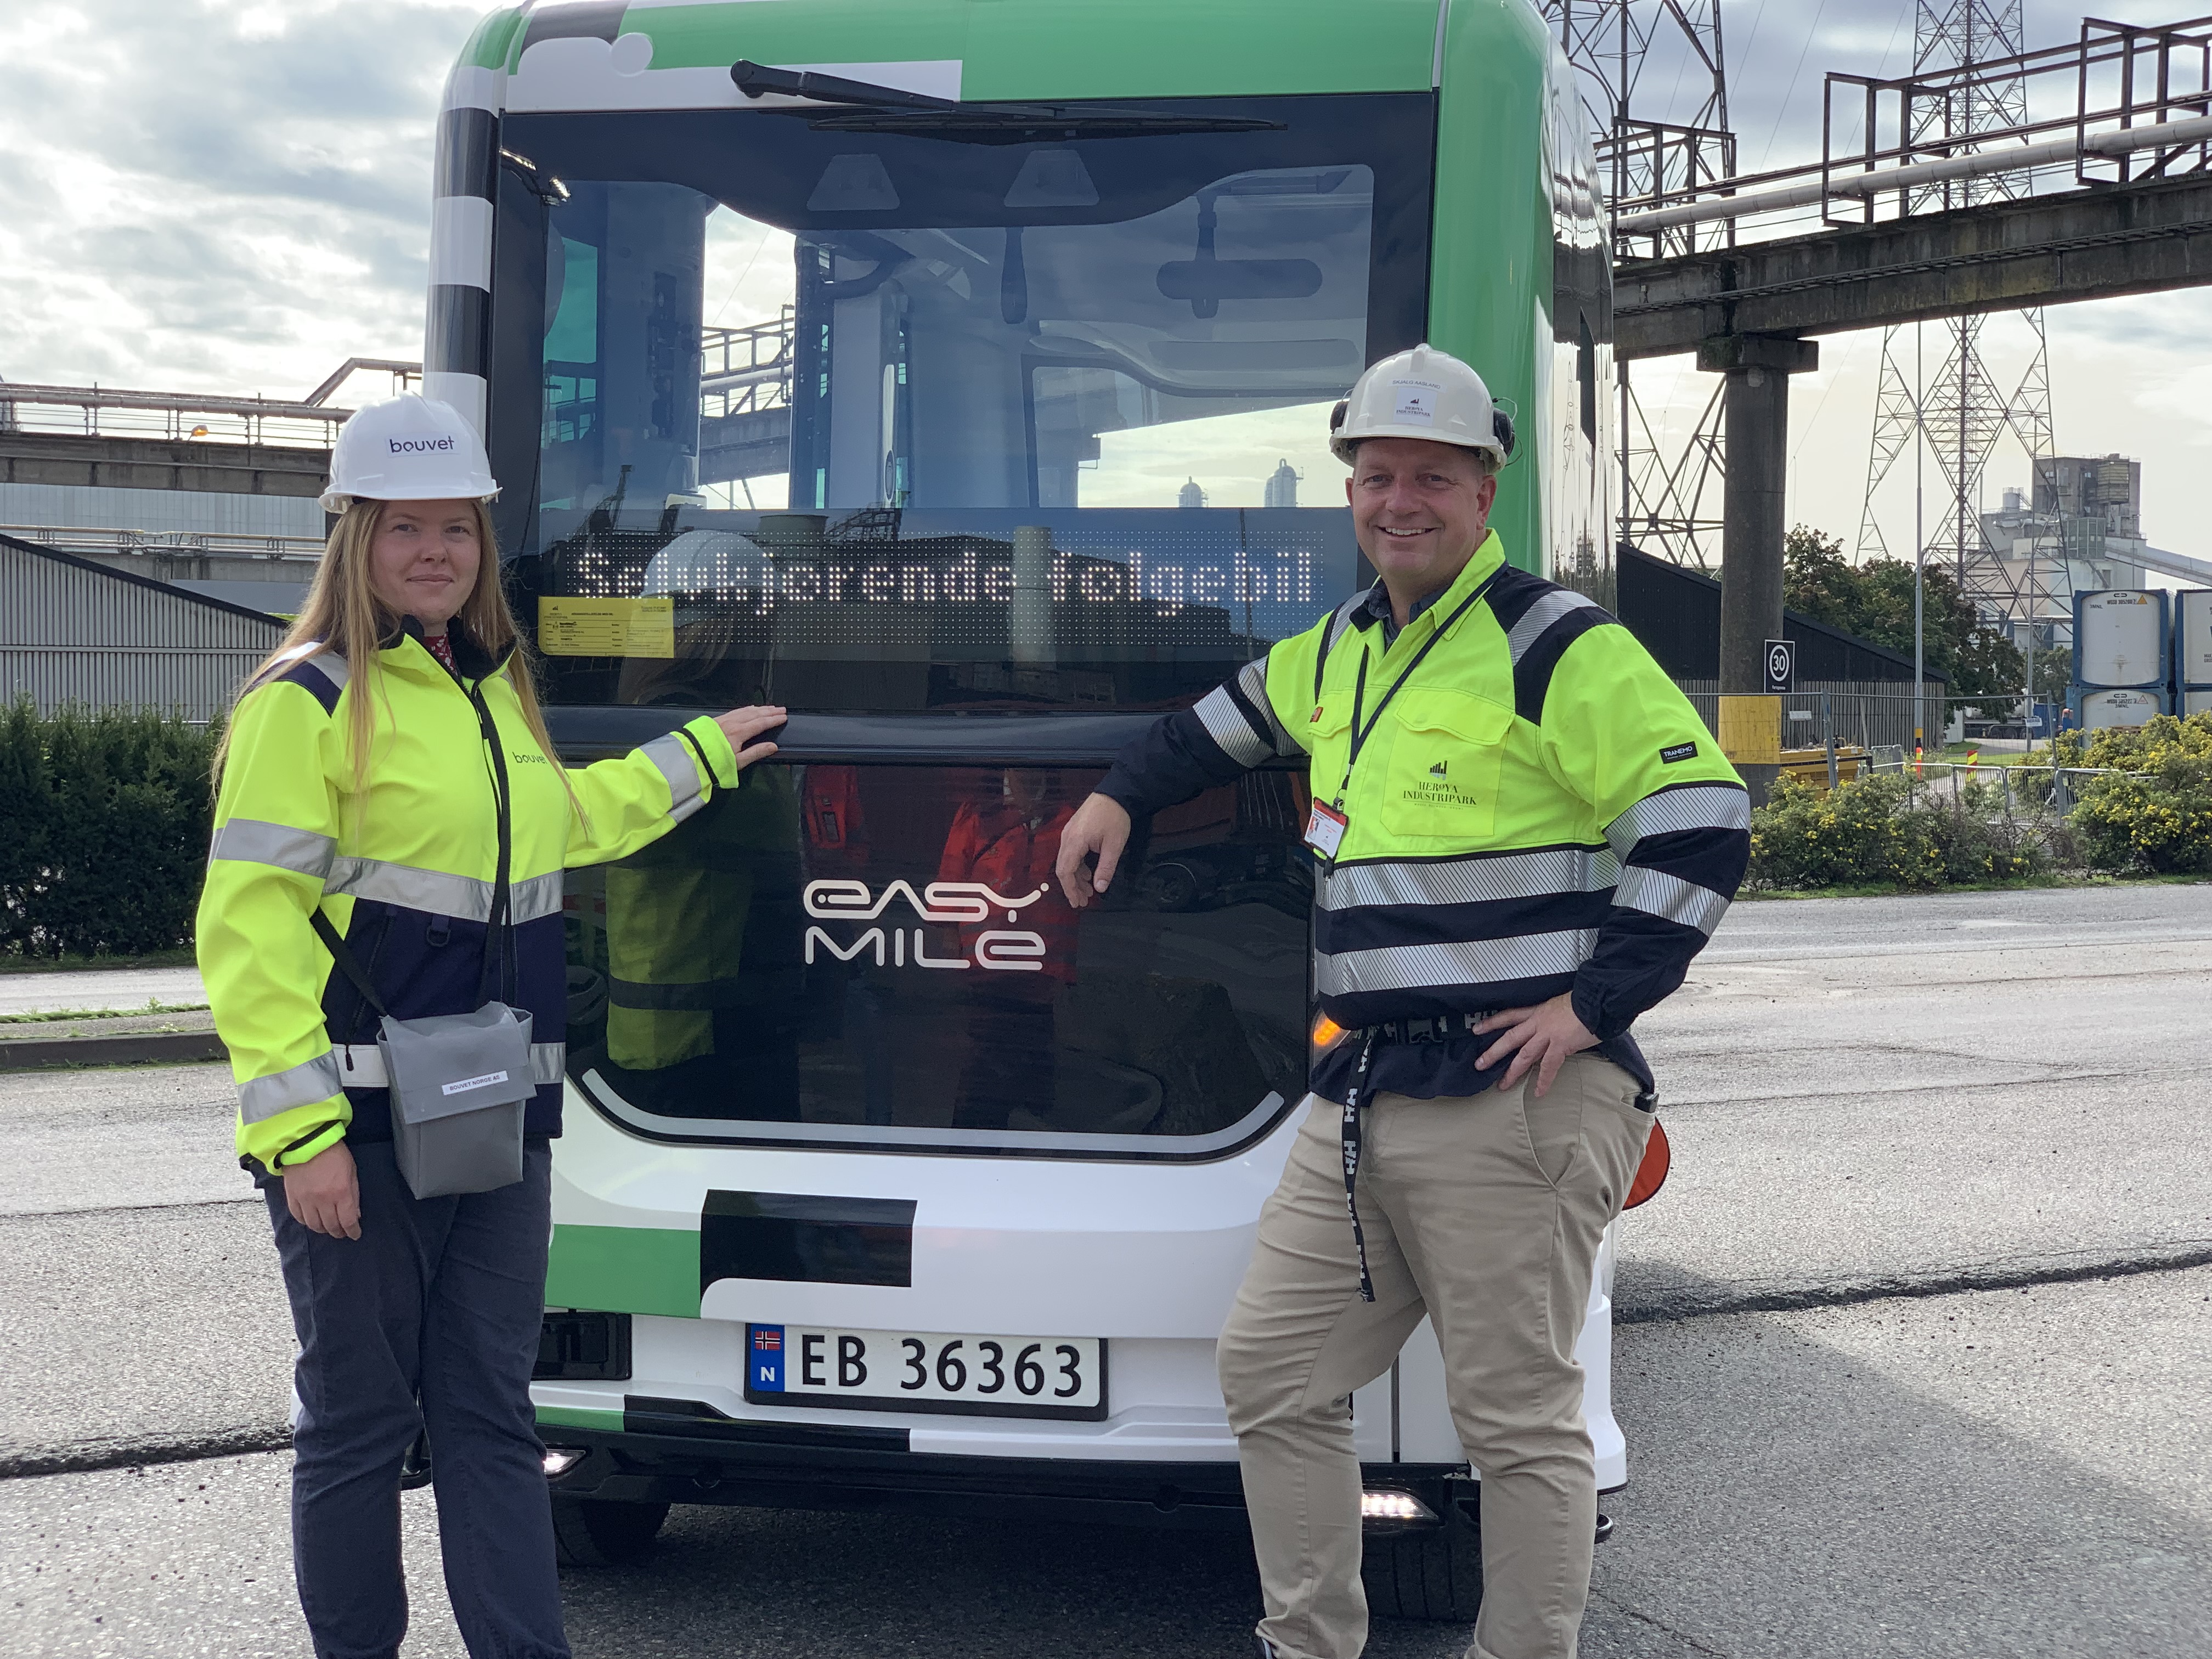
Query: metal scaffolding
[{"x": 1670, "y": 494}]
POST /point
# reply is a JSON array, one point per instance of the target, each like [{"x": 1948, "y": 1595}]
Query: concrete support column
[{"x": 1757, "y": 405}]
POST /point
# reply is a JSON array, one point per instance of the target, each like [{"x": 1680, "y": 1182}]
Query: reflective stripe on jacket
[
  {"x": 405, "y": 870},
  {"x": 703, "y": 933},
  {"x": 1538, "y": 810}
]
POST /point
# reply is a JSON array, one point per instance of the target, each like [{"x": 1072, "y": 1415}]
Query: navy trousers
[{"x": 428, "y": 1320}]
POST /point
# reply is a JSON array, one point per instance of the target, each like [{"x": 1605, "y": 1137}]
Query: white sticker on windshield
[{"x": 1416, "y": 401}]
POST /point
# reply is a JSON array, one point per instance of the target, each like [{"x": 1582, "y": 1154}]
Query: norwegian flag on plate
[{"x": 767, "y": 1358}]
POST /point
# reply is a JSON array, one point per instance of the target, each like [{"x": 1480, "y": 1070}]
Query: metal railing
[
  {"x": 2129, "y": 89},
  {"x": 745, "y": 370},
  {"x": 176, "y": 417},
  {"x": 405, "y": 376},
  {"x": 1852, "y": 712},
  {"x": 187, "y": 544},
  {"x": 2059, "y": 791}
]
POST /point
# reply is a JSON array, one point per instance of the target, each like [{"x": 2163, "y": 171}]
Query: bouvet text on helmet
[
  {"x": 1421, "y": 393},
  {"x": 407, "y": 448}
]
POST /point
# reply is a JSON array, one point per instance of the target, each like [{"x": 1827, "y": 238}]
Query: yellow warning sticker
[{"x": 606, "y": 627}]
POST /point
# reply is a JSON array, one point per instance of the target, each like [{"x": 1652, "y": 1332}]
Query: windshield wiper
[{"x": 892, "y": 109}]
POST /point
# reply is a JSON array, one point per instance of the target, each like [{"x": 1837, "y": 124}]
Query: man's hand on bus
[
  {"x": 1542, "y": 1037},
  {"x": 742, "y": 725},
  {"x": 1100, "y": 827},
  {"x": 324, "y": 1193}
]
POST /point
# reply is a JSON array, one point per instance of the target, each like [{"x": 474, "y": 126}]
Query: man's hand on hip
[
  {"x": 1542, "y": 1037},
  {"x": 1100, "y": 826}
]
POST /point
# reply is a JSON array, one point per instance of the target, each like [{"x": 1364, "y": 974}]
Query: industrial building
[
  {"x": 2078, "y": 531},
  {"x": 74, "y": 631},
  {"x": 213, "y": 495},
  {"x": 1676, "y": 613}
]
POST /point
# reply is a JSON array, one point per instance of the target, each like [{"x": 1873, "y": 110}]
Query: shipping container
[
  {"x": 2120, "y": 638},
  {"x": 2099, "y": 710},
  {"x": 2192, "y": 638}
]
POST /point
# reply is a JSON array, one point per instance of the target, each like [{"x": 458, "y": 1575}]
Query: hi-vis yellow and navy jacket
[
  {"x": 1538, "y": 809},
  {"x": 405, "y": 870}
]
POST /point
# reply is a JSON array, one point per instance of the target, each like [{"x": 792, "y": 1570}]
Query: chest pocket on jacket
[
  {"x": 1446, "y": 756},
  {"x": 1327, "y": 739}
]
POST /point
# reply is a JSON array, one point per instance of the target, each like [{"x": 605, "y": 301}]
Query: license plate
[{"x": 927, "y": 1371}]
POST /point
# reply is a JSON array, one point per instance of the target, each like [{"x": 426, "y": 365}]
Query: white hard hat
[
  {"x": 720, "y": 562},
  {"x": 1421, "y": 393},
  {"x": 407, "y": 448}
]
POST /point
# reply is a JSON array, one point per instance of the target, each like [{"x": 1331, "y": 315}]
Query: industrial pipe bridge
[{"x": 2104, "y": 190}]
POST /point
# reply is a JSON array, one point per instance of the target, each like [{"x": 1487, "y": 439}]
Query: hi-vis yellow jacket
[
  {"x": 405, "y": 870},
  {"x": 1537, "y": 808}
]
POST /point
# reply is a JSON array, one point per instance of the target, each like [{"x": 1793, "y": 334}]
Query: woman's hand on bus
[
  {"x": 742, "y": 725},
  {"x": 324, "y": 1193},
  {"x": 1100, "y": 827}
]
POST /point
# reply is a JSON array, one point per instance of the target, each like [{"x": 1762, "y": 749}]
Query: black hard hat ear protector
[{"x": 1501, "y": 423}]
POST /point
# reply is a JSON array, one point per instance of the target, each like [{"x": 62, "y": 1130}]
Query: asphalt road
[
  {"x": 118, "y": 989},
  {"x": 1912, "y": 1360}
]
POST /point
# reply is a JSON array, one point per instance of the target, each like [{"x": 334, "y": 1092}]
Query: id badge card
[{"x": 1325, "y": 829}]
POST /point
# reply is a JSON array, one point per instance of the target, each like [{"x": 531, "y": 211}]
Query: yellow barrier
[
  {"x": 1750, "y": 729},
  {"x": 1811, "y": 765}
]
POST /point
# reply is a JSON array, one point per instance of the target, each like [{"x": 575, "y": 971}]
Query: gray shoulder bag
[{"x": 458, "y": 1081}]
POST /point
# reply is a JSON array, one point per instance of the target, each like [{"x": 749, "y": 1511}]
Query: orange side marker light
[{"x": 1651, "y": 1174}]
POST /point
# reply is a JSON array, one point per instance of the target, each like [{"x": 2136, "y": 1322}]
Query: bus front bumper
[{"x": 682, "y": 1461}]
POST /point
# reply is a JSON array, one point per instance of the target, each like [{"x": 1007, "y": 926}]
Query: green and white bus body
[{"x": 977, "y": 432}]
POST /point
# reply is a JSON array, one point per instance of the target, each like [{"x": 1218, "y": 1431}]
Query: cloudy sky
[
  {"x": 2133, "y": 376},
  {"x": 231, "y": 195}
]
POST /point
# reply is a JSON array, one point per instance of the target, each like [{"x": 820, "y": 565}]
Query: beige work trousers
[{"x": 1484, "y": 1212}]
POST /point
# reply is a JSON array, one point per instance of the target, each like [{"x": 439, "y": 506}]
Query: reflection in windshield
[
  {"x": 1066, "y": 403},
  {"x": 976, "y": 367},
  {"x": 855, "y": 953}
]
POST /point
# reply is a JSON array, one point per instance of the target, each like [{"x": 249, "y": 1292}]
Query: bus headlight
[{"x": 1395, "y": 1509}]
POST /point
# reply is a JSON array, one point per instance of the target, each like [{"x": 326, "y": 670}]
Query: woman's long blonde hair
[{"x": 345, "y": 617}]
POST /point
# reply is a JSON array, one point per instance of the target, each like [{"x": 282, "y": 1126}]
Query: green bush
[
  {"x": 103, "y": 823},
  {"x": 1976, "y": 840},
  {"x": 2156, "y": 815},
  {"x": 1888, "y": 830},
  {"x": 1855, "y": 836}
]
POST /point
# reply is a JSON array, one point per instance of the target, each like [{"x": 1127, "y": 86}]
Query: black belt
[{"x": 1431, "y": 1028}]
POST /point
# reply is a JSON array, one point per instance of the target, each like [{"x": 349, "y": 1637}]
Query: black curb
[
  {"x": 1663, "y": 1310},
  {"x": 148, "y": 1453},
  {"x": 34, "y": 1054}
]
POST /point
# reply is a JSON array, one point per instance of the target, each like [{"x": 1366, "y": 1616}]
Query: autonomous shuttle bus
[{"x": 957, "y": 373}]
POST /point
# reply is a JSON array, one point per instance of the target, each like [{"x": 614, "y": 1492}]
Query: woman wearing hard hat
[{"x": 380, "y": 934}]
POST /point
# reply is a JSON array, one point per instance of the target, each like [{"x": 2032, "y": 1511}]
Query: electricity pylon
[
  {"x": 1670, "y": 495},
  {"x": 1958, "y": 411}
]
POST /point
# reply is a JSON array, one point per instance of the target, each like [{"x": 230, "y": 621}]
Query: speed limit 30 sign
[{"x": 1781, "y": 657}]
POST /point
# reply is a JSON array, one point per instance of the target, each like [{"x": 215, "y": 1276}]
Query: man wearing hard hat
[{"x": 1522, "y": 835}]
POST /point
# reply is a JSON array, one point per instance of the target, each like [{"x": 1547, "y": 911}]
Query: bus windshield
[{"x": 882, "y": 419}]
